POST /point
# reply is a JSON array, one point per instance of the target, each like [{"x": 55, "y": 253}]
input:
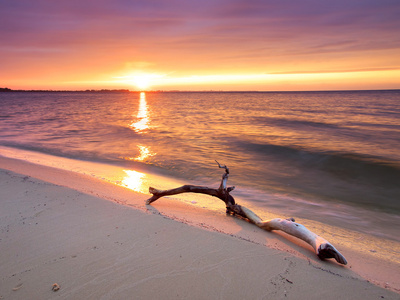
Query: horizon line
[{"x": 188, "y": 91}]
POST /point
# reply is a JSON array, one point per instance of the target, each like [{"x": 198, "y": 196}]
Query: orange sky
[{"x": 200, "y": 45}]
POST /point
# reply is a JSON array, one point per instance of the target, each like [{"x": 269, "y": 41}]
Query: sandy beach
[{"x": 96, "y": 240}]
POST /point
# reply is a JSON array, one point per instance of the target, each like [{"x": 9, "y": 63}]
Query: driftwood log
[{"x": 322, "y": 247}]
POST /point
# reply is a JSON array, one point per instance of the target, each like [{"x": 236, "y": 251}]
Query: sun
[{"x": 142, "y": 82}]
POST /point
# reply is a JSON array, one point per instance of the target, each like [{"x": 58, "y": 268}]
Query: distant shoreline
[{"x": 7, "y": 90}]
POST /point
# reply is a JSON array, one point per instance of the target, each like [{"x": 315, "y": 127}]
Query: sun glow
[{"x": 142, "y": 81}]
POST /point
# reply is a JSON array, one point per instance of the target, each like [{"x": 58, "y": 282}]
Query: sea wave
[
  {"x": 349, "y": 165},
  {"x": 287, "y": 122}
]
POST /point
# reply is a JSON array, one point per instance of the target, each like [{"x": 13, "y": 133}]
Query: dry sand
[{"x": 61, "y": 227}]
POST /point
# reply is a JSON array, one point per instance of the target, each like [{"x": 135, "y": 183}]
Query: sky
[{"x": 238, "y": 45}]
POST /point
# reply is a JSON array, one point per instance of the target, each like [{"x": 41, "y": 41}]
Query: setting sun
[{"x": 142, "y": 81}]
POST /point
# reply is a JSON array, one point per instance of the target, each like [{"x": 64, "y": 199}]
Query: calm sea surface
[{"x": 327, "y": 155}]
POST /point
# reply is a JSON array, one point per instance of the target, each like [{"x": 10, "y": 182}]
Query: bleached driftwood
[{"x": 322, "y": 247}]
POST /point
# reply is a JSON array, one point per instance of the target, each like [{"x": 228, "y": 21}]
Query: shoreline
[
  {"x": 209, "y": 223},
  {"x": 357, "y": 222}
]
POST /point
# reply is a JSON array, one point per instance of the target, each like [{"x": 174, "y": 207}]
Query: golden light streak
[
  {"x": 134, "y": 180},
  {"x": 144, "y": 153},
  {"x": 142, "y": 115}
]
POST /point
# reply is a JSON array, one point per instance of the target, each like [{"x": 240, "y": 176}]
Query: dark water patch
[
  {"x": 285, "y": 122},
  {"x": 50, "y": 119},
  {"x": 374, "y": 125},
  {"x": 366, "y": 169},
  {"x": 345, "y": 165}
]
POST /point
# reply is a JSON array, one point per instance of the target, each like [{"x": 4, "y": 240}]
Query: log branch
[
  {"x": 183, "y": 189},
  {"x": 322, "y": 247}
]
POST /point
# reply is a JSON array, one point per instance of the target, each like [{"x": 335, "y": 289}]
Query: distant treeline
[
  {"x": 58, "y": 91},
  {"x": 5, "y": 90}
]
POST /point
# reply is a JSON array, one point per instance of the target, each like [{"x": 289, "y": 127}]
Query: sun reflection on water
[
  {"x": 142, "y": 117},
  {"x": 144, "y": 153},
  {"x": 141, "y": 124}
]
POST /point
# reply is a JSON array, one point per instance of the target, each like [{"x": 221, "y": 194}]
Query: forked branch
[{"x": 322, "y": 247}]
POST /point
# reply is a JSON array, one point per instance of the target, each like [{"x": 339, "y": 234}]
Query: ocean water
[{"x": 333, "y": 157}]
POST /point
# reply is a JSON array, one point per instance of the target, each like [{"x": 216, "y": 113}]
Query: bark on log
[{"x": 322, "y": 247}]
